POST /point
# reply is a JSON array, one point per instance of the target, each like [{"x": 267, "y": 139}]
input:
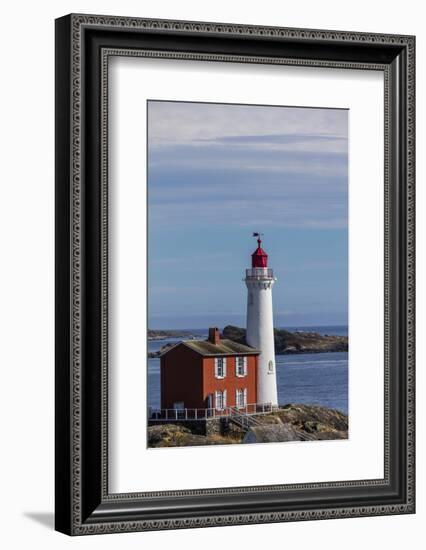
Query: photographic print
[
  {"x": 215, "y": 253},
  {"x": 247, "y": 274}
]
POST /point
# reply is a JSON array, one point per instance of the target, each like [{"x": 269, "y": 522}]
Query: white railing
[
  {"x": 242, "y": 419},
  {"x": 204, "y": 414},
  {"x": 260, "y": 273}
]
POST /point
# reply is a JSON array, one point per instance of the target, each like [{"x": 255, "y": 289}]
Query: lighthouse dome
[{"x": 259, "y": 258}]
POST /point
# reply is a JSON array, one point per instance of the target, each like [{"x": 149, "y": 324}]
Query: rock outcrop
[
  {"x": 271, "y": 433},
  {"x": 153, "y": 354},
  {"x": 287, "y": 342},
  {"x": 175, "y": 435},
  {"x": 292, "y": 422}
]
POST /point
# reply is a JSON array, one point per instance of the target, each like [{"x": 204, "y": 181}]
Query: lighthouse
[{"x": 260, "y": 326}]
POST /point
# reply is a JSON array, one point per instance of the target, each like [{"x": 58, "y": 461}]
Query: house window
[
  {"x": 241, "y": 366},
  {"x": 220, "y": 367},
  {"x": 270, "y": 367},
  {"x": 220, "y": 399},
  {"x": 241, "y": 398}
]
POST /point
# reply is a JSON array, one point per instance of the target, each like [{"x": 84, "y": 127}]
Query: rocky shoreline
[
  {"x": 286, "y": 342},
  {"x": 291, "y": 422},
  {"x": 166, "y": 334}
]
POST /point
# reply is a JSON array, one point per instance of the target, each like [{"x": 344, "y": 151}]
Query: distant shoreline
[
  {"x": 166, "y": 334},
  {"x": 163, "y": 334},
  {"x": 286, "y": 342}
]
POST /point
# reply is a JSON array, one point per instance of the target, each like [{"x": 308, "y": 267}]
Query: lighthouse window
[{"x": 271, "y": 366}]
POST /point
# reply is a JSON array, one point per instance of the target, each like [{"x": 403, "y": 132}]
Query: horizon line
[{"x": 280, "y": 326}]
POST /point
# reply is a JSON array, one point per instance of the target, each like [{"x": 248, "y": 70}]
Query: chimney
[{"x": 214, "y": 335}]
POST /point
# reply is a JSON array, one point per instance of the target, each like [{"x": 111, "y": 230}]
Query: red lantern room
[{"x": 259, "y": 258}]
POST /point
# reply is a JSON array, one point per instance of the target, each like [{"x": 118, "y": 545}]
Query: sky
[{"x": 219, "y": 172}]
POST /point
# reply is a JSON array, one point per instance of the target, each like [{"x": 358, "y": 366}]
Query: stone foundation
[{"x": 209, "y": 426}]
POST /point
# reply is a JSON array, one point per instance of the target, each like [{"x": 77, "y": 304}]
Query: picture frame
[{"x": 84, "y": 504}]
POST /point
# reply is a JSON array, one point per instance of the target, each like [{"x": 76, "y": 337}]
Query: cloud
[
  {"x": 213, "y": 163},
  {"x": 254, "y": 158},
  {"x": 312, "y": 143},
  {"x": 277, "y": 138},
  {"x": 180, "y": 122}
]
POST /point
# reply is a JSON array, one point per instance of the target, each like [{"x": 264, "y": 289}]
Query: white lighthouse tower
[{"x": 260, "y": 326}]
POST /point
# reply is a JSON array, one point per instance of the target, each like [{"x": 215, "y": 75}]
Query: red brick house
[{"x": 210, "y": 374}]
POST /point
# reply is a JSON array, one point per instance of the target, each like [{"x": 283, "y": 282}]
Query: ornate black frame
[{"x": 83, "y": 46}]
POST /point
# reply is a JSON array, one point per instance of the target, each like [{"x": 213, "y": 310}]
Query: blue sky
[{"x": 218, "y": 172}]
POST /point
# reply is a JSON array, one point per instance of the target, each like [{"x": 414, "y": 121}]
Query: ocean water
[{"x": 308, "y": 378}]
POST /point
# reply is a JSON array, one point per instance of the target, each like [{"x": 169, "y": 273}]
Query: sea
[{"x": 308, "y": 378}]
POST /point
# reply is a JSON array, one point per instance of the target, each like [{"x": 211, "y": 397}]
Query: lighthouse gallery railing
[{"x": 260, "y": 273}]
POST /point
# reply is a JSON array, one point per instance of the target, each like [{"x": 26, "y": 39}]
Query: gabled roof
[{"x": 224, "y": 347}]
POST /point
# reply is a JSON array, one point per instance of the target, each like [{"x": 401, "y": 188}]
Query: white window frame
[
  {"x": 244, "y": 366},
  {"x": 220, "y": 400},
  {"x": 241, "y": 397},
  {"x": 222, "y": 367}
]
